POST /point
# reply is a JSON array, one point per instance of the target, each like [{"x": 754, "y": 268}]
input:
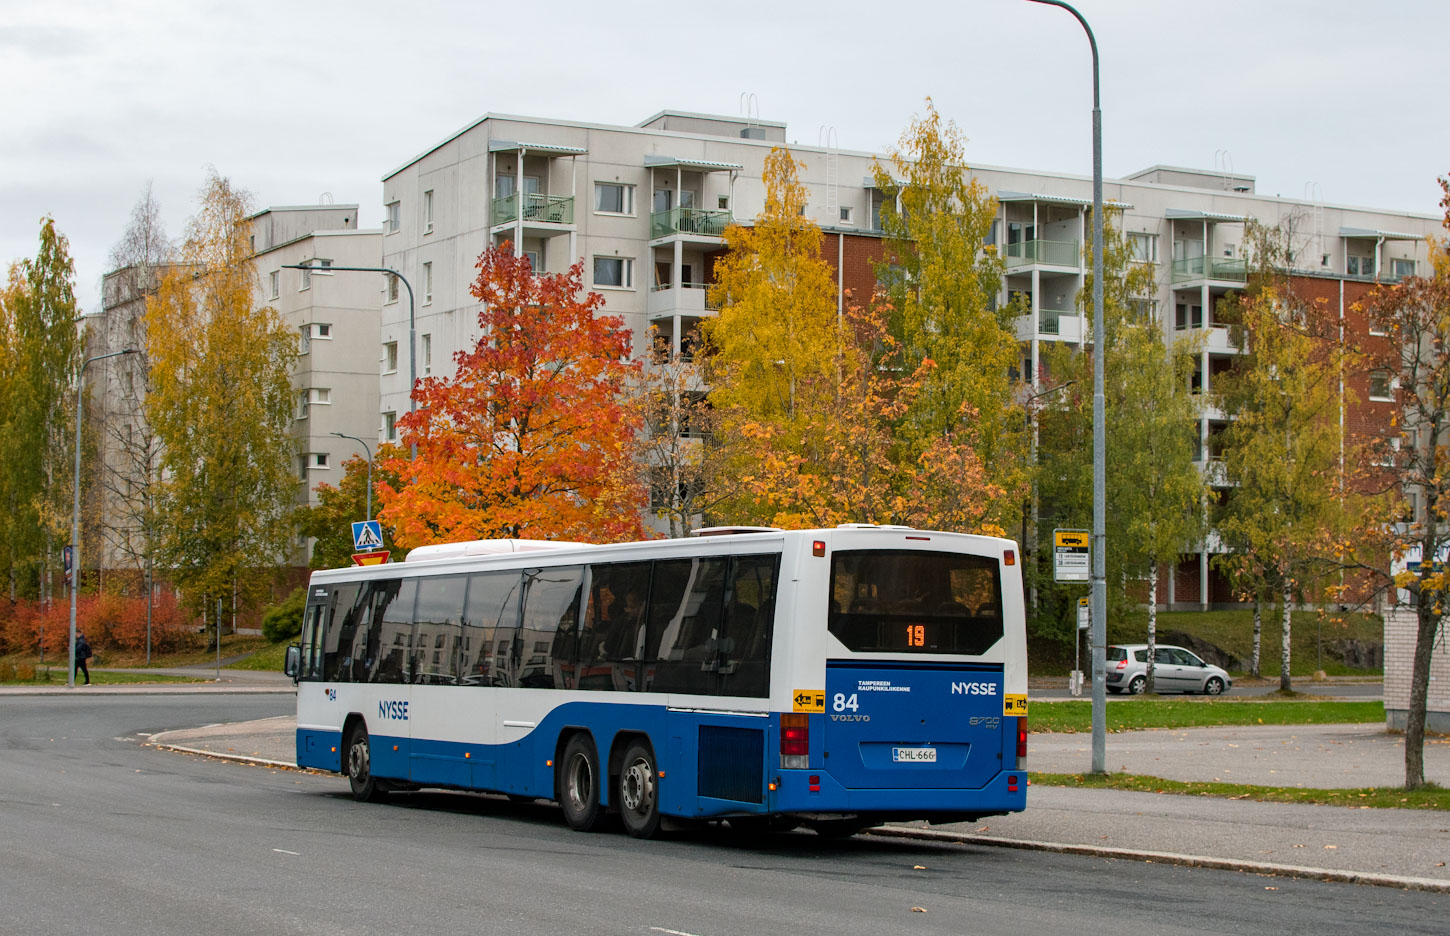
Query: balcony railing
[
  {"x": 1052, "y": 253},
  {"x": 1214, "y": 268},
  {"x": 1049, "y": 318},
  {"x": 689, "y": 221},
  {"x": 551, "y": 209}
]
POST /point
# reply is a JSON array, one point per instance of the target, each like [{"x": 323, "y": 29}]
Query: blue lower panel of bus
[{"x": 714, "y": 764}]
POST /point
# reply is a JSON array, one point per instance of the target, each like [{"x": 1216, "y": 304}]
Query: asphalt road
[{"x": 102, "y": 835}]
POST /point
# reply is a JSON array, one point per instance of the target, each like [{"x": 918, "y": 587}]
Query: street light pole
[
  {"x": 412, "y": 322},
  {"x": 1100, "y": 578},
  {"x": 75, "y": 520},
  {"x": 343, "y": 435}
]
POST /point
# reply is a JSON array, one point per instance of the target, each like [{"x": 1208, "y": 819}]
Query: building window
[
  {"x": 1359, "y": 266},
  {"x": 303, "y": 397},
  {"x": 1188, "y": 316},
  {"x": 274, "y": 283},
  {"x": 613, "y": 198},
  {"x": 1403, "y": 268},
  {"x": 1381, "y": 386},
  {"x": 723, "y": 203},
  {"x": 390, "y": 357},
  {"x": 428, "y": 212},
  {"x": 306, "y": 283},
  {"x": 321, "y": 330},
  {"x": 846, "y": 212},
  {"x": 304, "y": 339},
  {"x": 392, "y": 288},
  {"x": 616, "y": 272},
  {"x": 302, "y": 467},
  {"x": 393, "y": 222},
  {"x": 427, "y": 283},
  {"x": 319, "y": 459},
  {"x": 1144, "y": 247},
  {"x": 390, "y": 427},
  {"x": 533, "y": 257},
  {"x": 1411, "y": 507},
  {"x": 427, "y": 355}
]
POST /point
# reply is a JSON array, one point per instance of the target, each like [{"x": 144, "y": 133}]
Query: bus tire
[
  {"x": 365, "y": 787},
  {"x": 579, "y": 784},
  {"x": 639, "y": 800}
]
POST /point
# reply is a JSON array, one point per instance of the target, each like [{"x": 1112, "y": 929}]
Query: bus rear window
[{"x": 912, "y": 601}]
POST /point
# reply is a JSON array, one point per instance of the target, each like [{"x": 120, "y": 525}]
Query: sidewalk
[
  {"x": 232, "y": 681},
  {"x": 1392, "y": 847}
]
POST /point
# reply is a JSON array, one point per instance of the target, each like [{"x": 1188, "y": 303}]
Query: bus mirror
[{"x": 293, "y": 662}]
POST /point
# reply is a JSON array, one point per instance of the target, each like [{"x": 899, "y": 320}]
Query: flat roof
[
  {"x": 1371, "y": 232},
  {"x": 1059, "y": 199},
  {"x": 704, "y": 165},
  {"x": 1192, "y": 214}
]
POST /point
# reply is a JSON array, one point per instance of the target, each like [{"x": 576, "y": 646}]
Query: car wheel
[
  {"x": 1138, "y": 684},
  {"x": 1214, "y": 686},
  {"x": 639, "y": 792},
  {"x": 365, "y": 787},
  {"x": 578, "y": 782}
]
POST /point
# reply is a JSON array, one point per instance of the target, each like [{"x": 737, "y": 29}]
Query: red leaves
[{"x": 532, "y": 437}]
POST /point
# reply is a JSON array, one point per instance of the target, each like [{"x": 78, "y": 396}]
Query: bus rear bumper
[{"x": 1005, "y": 793}]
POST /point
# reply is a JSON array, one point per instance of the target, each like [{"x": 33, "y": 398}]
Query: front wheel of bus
[
  {"x": 639, "y": 804},
  {"x": 579, "y": 784},
  {"x": 365, "y": 787}
]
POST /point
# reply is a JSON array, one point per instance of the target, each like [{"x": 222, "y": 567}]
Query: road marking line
[
  {"x": 670, "y": 932},
  {"x": 286, "y": 852}
]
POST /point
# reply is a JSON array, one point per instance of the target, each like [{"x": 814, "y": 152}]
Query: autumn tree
[
  {"x": 1413, "y": 362},
  {"x": 130, "y": 452},
  {"x": 677, "y": 444},
  {"x": 943, "y": 284},
  {"x": 221, "y": 405},
  {"x": 43, "y": 356},
  {"x": 534, "y": 435},
  {"x": 1154, "y": 489},
  {"x": 329, "y": 522},
  {"x": 1282, "y": 449}
]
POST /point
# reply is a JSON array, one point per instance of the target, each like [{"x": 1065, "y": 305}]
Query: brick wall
[
  {"x": 1185, "y": 580},
  {"x": 857, "y": 254},
  {"x": 1400, "y": 626}
]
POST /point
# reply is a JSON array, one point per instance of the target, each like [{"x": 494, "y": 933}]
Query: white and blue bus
[{"x": 839, "y": 678}]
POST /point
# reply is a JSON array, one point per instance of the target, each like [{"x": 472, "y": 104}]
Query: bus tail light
[
  {"x": 795, "y": 740},
  {"x": 1009, "y": 557},
  {"x": 1022, "y": 743}
]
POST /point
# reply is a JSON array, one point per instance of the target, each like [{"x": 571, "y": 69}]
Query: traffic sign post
[{"x": 1084, "y": 621}]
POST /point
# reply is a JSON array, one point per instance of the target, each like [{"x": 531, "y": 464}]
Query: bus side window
[
  {"x": 749, "y": 613},
  {"x": 686, "y": 607},
  {"x": 437, "y": 629},
  {"x": 312, "y": 630},
  {"x": 607, "y": 650},
  {"x": 490, "y": 619},
  {"x": 342, "y": 622},
  {"x": 549, "y": 625}
]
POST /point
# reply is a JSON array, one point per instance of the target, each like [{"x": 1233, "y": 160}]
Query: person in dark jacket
[{"x": 83, "y": 653}]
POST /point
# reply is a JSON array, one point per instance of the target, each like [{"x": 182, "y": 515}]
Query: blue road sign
[{"x": 367, "y": 535}]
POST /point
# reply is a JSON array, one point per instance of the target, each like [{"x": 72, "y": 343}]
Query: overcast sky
[{"x": 295, "y": 99}]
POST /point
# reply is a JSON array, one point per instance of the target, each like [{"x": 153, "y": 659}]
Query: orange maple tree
[{"x": 533, "y": 436}]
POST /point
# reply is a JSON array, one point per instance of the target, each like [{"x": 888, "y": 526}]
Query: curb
[
  {"x": 1430, "y": 885},
  {"x": 238, "y": 758}
]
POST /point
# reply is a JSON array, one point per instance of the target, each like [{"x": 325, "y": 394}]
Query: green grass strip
[
  {"x": 1429, "y": 797},
  {"x": 1134, "y": 714},
  {"x": 50, "y": 676},
  {"x": 269, "y": 657}
]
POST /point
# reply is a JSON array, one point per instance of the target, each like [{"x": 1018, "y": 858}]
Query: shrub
[{"x": 284, "y": 620}]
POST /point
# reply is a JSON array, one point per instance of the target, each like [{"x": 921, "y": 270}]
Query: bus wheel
[
  {"x": 579, "y": 784},
  {"x": 639, "y": 804},
  {"x": 365, "y": 787},
  {"x": 838, "y": 828}
]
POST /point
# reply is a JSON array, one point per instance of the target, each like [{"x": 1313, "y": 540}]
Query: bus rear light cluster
[
  {"x": 815, "y": 783},
  {"x": 1022, "y": 743},
  {"x": 795, "y": 740},
  {"x": 1012, "y": 783}
]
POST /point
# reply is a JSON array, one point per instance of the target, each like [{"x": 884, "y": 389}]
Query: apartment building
[
  {"x": 336, "y": 379},
  {"x": 645, "y": 208},
  {"x": 335, "y": 315}
]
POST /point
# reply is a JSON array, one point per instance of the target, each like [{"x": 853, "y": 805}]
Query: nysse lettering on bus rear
[{"x": 839, "y": 678}]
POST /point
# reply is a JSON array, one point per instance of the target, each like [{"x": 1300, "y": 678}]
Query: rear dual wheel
[
  {"x": 638, "y": 799},
  {"x": 578, "y": 783}
]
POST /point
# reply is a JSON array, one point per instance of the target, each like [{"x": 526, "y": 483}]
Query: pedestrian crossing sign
[{"x": 367, "y": 535}]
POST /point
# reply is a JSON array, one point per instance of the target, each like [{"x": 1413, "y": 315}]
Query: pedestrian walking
[{"x": 83, "y": 653}]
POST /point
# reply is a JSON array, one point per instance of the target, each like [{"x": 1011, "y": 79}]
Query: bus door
[{"x": 929, "y": 715}]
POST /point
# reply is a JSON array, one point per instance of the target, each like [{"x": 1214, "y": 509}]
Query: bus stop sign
[{"x": 1071, "y": 561}]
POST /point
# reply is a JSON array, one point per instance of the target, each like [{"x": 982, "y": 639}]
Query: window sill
[
  {"x": 616, "y": 288},
  {"x": 616, "y": 214}
]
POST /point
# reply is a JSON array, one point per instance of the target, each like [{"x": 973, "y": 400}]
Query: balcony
[
  {"x": 667, "y": 299},
  {"x": 689, "y": 221},
  {"x": 1044, "y": 253},
  {"x": 1226, "y": 269},
  {"x": 545, "y": 209}
]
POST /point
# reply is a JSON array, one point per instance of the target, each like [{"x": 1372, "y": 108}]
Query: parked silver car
[{"x": 1174, "y": 670}]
